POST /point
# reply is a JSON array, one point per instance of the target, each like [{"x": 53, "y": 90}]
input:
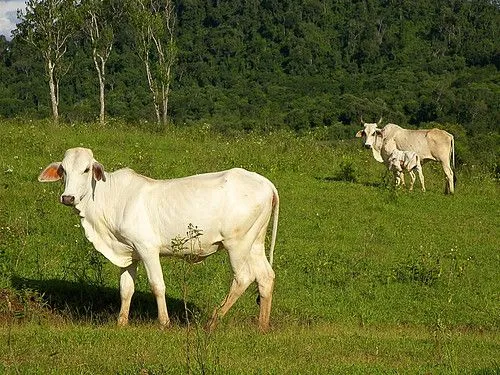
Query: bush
[
  {"x": 10, "y": 107},
  {"x": 346, "y": 171},
  {"x": 486, "y": 154}
]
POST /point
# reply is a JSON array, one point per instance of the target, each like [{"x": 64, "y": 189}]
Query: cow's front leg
[
  {"x": 127, "y": 280},
  {"x": 397, "y": 176},
  {"x": 412, "y": 177},
  {"x": 402, "y": 178},
  {"x": 155, "y": 277}
]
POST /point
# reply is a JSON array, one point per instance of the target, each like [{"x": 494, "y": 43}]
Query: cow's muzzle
[
  {"x": 68, "y": 200},
  {"x": 368, "y": 146}
]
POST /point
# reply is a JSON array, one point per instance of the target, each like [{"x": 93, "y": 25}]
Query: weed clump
[
  {"x": 21, "y": 305},
  {"x": 424, "y": 271},
  {"x": 346, "y": 172}
]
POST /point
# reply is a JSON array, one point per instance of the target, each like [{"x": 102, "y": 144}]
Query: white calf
[{"x": 400, "y": 161}]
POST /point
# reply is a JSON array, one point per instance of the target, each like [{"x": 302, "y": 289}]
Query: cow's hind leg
[
  {"x": 450, "y": 185},
  {"x": 264, "y": 276},
  {"x": 242, "y": 279},
  {"x": 249, "y": 263},
  {"x": 127, "y": 279},
  {"x": 257, "y": 268}
]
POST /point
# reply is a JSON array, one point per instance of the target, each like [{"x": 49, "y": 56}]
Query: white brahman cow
[
  {"x": 429, "y": 144},
  {"x": 129, "y": 217},
  {"x": 400, "y": 161}
]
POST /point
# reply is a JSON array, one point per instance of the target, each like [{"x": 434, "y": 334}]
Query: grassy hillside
[{"x": 369, "y": 279}]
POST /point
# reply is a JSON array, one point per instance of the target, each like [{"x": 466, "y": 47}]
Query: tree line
[{"x": 256, "y": 64}]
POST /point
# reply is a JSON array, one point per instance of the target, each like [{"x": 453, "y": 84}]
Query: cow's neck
[
  {"x": 377, "y": 148},
  {"x": 98, "y": 219},
  {"x": 388, "y": 146},
  {"x": 382, "y": 148},
  {"x": 90, "y": 205}
]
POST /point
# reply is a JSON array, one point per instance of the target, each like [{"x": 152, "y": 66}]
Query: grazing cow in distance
[
  {"x": 130, "y": 218},
  {"x": 400, "y": 161},
  {"x": 429, "y": 144}
]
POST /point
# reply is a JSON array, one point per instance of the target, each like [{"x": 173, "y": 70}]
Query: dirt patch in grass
[{"x": 20, "y": 306}]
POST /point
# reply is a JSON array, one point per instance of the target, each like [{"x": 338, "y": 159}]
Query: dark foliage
[{"x": 263, "y": 64}]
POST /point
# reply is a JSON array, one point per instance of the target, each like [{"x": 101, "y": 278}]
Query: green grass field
[{"x": 368, "y": 279}]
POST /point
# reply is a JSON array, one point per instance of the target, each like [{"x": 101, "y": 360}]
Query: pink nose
[{"x": 68, "y": 200}]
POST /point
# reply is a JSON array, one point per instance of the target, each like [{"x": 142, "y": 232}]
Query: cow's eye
[{"x": 86, "y": 170}]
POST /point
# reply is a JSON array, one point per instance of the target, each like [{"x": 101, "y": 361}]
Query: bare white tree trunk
[
  {"x": 165, "y": 91},
  {"x": 100, "y": 66},
  {"x": 155, "y": 23},
  {"x": 153, "y": 88},
  {"x": 47, "y": 25},
  {"x": 102, "y": 79},
  {"x": 54, "y": 92},
  {"x": 160, "y": 94},
  {"x": 168, "y": 61},
  {"x": 101, "y": 37}
]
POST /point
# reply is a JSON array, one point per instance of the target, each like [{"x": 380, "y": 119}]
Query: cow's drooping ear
[
  {"x": 379, "y": 132},
  {"x": 98, "y": 171},
  {"x": 53, "y": 172},
  {"x": 359, "y": 134}
]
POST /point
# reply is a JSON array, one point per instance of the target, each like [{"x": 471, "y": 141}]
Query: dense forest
[{"x": 298, "y": 64}]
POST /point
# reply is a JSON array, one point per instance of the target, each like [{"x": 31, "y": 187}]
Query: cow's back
[{"x": 433, "y": 144}]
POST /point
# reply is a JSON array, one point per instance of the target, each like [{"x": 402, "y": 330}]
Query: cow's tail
[
  {"x": 452, "y": 151},
  {"x": 276, "y": 209}
]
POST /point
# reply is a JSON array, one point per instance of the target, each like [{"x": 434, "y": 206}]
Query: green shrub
[{"x": 346, "y": 172}]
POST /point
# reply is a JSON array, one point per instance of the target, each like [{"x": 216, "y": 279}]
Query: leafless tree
[
  {"x": 48, "y": 25},
  {"x": 154, "y": 21},
  {"x": 98, "y": 28}
]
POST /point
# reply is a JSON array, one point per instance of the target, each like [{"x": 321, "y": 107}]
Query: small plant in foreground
[
  {"x": 347, "y": 172},
  {"x": 425, "y": 271},
  {"x": 189, "y": 248}
]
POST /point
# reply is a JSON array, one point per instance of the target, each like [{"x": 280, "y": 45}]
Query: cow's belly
[
  {"x": 418, "y": 144},
  {"x": 192, "y": 251}
]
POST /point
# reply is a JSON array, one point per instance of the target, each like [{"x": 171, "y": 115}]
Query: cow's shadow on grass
[{"x": 86, "y": 303}]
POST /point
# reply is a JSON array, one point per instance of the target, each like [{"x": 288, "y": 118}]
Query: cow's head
[
  {"x": 395, "y": 163},
  {"x": 369, "y": 132},
  {"x": 79, "y": 170}
]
